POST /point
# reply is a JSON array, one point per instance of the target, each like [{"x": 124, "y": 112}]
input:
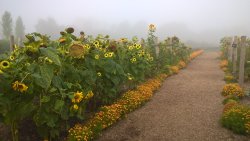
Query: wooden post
[
  {"x": 12, "y": 42},
  {"x": 230, "y": 51},
  {"x": 234, "y": 55},
  {"x": 242, "y": 60}
]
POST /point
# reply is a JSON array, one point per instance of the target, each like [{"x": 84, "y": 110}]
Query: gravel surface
[{"x": 186, "y": 108}]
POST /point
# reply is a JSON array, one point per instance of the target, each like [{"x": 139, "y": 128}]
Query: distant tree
[
  {"x": 49, "y": 27},
  {"x": 6, "y": 25},
  {"x": 19, "y": 29}
]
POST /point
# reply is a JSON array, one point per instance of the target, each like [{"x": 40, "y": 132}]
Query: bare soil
[{"x": 187, "y": 107}]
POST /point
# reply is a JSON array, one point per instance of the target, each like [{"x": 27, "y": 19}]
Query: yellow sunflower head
[
  {"x": 12, "y": 57},
  {"x": 110, "y": 54},
  {"x": 78, "y": 96},
  {"x": 75, "y": 107},
  {"x": 97, "y": 57},
  {"x": 99, "y": 74},
  {"x": 106, "y": 55},
  {"x": 18, "y": 86},
  {"x": 4, "y": 64}
]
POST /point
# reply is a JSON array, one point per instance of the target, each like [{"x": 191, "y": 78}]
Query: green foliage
[
  {"x": 59, "y": 79},
  {"x": 236, "y": 119}
]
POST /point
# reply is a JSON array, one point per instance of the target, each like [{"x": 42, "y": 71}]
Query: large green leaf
[
  {"x": 59, "y": 104},
  {"x": 51, "y": 53},
  {"x": 46, "y": 76}
]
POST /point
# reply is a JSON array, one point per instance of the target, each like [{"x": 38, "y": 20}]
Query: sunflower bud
[{"x": 70, "y": 30}]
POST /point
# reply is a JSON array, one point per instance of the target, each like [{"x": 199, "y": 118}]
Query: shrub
[
  {"x": 229, "y": 78},
  {"x": 237, "y": 119},
  {"x": 232, "y": 89},
  {"x": 230, "y": 98}
]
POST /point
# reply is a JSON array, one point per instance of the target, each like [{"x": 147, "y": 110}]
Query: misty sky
[{"x": 196, "y": 20}]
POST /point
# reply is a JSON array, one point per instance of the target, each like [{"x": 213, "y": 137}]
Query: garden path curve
[{"x": 186, "y": 108}]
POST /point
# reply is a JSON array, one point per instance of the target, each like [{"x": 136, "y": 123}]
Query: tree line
[{"x": 7, "y": 29}]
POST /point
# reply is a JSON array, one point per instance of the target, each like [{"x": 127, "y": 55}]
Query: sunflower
[
  {"x": 18, "y": 86},
  {"x": 87, "y": 46},
  {"x": 130, "y": 47},
  {"x": 123, "y": 40},
  {"x": 89, "y": 95},
  {"x": 5, "y": 64},
  {"x": 12, "y": 57},
  {"x": 76, "y": 50},
  {"x": 133, "y": 60},
  {"x": 106, "y": 55},
  {"x": 78, "y": 96},
  {"x": 99, "y": 74},
  {"x": 97, "y": 44},
  {"x": 138, "y": 46},
  {"x": 152, "y": 27},
  {"x": 97, "y": 57},
  {"x": 75, "y": 107},
  {"x": 110, "y": 54}
]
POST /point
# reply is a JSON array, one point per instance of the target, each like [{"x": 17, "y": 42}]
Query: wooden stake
[
  {"x": 234, "y": 55},
  {"x": 242, "y": 60}
]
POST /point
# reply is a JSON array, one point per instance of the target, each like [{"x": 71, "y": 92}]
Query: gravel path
[{"x": 186, "y": 108}]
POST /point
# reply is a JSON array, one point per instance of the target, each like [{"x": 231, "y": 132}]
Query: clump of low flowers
[
  {"x": 174, "y": 69},
  {"x": 233, "y": 89}
]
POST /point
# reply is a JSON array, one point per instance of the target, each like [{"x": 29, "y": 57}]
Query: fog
[{"x": 194, "y": 21}]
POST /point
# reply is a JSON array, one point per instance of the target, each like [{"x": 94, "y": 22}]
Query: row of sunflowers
[
  {"x": 130, "y": 101},
  {"x": 54, "y": 83},
  {"x": 236, "y": 114}
]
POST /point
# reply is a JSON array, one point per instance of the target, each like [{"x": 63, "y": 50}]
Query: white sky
[{"x": 194, "y": 18}]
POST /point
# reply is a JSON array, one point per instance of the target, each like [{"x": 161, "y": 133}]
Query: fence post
[
  {"x": 242, "y": 60},
  {"x": 12, "y": 42},
  {"x": 234, "y": 55},
  {"x": 230, "y": 50}
]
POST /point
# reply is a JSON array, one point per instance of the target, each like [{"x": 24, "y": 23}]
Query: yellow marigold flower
[
  {"x": 75, "y": 107},
  {"x": 99, "y": 74},
  {"x": 18, "y": 86},
  {"x": 12, "y": 57},
  {"x": 5, "y": 64},
  {"x": 97, "y": 57},
  {"x": 106, "y": 55},
  {"x": 78, "y": 96},
  {"x": 89, "y": 95}
]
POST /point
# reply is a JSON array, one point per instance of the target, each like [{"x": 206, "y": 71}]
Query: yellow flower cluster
[
  {"x": 195, "y": 54},
  {"x": 174, "y": 69},
  {"x": 78, "y": 97},
  {"x": 19, "y": 86},
  {"x": 232, "y": 89},
  {"x": 237, "y": 115},
  {"x": 108, "y": 115},
  {"x": 181, "y": 64}
]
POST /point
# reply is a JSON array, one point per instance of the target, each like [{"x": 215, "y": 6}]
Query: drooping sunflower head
[
  {"x": 4, "y": 64},
  {"x": 152, "y": 27},
  {"x": 70, "y": 30},
  {"x": 76, "y": 50},
  {"x": 18, "y": 86}
]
